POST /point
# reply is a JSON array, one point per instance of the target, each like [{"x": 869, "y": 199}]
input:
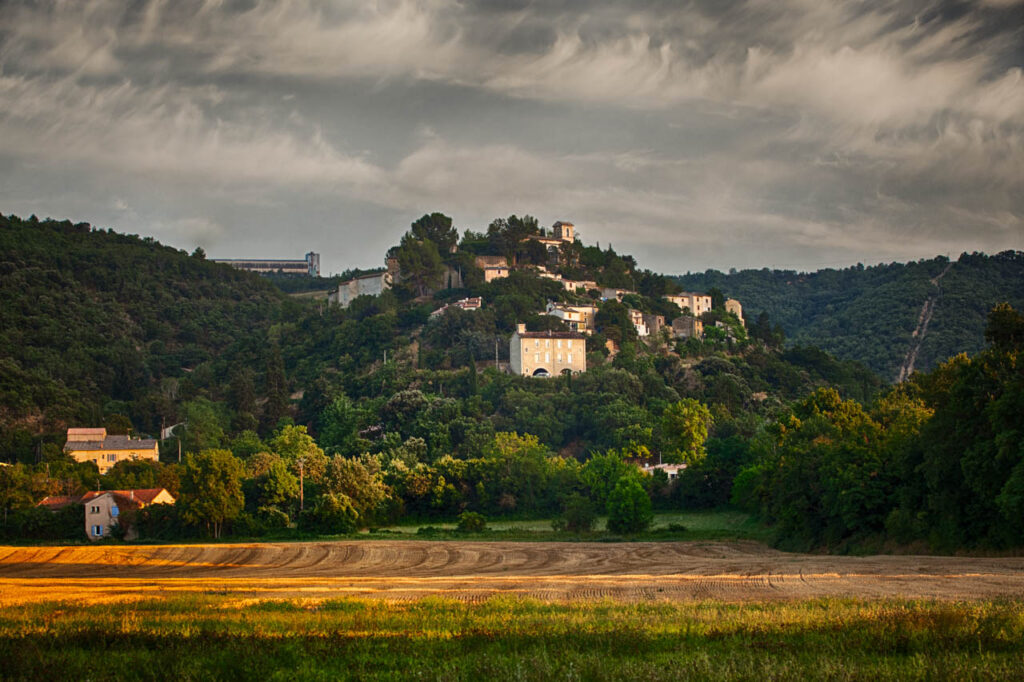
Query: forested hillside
[
  {"x": 108, "y": 329},
  {"x": 97, "y": 324},
  {"x": 870, "y": 314},
  {"x": 389, "y": 411}
]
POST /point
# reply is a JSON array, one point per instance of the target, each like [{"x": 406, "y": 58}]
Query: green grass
[
  {"x": 698, "y": 525},
  {"x": 212, "y": 637}
]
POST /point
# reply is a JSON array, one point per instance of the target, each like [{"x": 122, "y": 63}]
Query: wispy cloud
[{"x": 812, "y": 126}]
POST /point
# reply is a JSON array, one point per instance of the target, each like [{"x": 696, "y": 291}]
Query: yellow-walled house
[
  {"x": 94, "y": 445},
  {"x": 547, "y": 354}
]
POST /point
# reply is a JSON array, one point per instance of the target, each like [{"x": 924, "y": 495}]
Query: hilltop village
[{"x": 554, "y": 255}]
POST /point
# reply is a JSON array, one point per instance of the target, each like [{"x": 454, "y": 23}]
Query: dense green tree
[
  {"x": 684, "y": 427},
  {"x": 436, "y": 228},
  {"x": 629, "y": 507},
  {"x": 277, "y": 486},
  {"x": 205, "y": 423},
  {"x": 420, "y": 265},
  {"x": 14, "y": 488},
  {"x": 332, "y": 513},
  {"x": 211, "y": 489}
]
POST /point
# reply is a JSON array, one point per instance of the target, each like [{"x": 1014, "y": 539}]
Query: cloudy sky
[{"x": 709, "y": 133}]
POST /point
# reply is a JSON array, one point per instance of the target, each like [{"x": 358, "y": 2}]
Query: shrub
[
  {"x": 472, "y": 522},
  {"x": 331, "y": 514},
  {"x": 579, "y": 514},
  {"x": 629, "y": 507}
]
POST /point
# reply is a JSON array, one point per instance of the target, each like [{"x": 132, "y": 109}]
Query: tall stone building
[{"x": 547, "y": 354}]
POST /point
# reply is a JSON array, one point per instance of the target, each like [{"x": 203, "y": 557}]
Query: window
[
  {"x": 547, "y": 357},
  {"x": 97, "y": 531},
  {"x": 112, "y": 457},
  {"x": 558, "y": 343},
  {"x": 95, "y": 509},
  {"x": 114, "y": 511},
  {"x": 569, "y": 360}
]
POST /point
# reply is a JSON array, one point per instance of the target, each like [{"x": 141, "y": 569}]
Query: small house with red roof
[{"x": 103, "y": 508}]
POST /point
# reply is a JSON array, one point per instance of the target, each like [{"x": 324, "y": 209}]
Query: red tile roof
[
  {"x": 143, "y": 495},
  {"x": 55, "y": 502}
]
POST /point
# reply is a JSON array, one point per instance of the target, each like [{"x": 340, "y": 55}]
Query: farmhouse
[
  {"x": 103, "y": 508},
  {"x": 547, "y": 354},
  {"x": 94, "y": 445}
]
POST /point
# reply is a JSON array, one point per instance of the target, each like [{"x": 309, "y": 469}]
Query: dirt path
[
  {"x": 733, "y": 571},
  {"x": 907, "y": 368}
]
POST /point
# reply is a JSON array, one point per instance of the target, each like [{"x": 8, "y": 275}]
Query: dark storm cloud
[{"x": 709, "y": 133}]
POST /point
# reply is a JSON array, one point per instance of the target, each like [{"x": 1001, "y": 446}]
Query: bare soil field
[{"x": 473, "y": 571}]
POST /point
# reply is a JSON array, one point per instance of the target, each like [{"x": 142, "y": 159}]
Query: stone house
[
  {"x": 687, "y": 327},
  {"x": 546, "y": 354},
  {"x": 733, "y": 306}
]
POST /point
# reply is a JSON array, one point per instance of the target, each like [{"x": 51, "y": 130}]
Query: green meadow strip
[{"x": 213, "y": 637}]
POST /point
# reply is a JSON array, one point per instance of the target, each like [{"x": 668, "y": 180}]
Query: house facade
[
  {"x": 103, "y": 508},
  {"x": 687, "y": 327},
  {"x": 697, "y": 303},
  {"x": 733, "y": 306},
  {"x": 654, "y": 322},
  {"x": 579, "y": 318},
  {"x": 94, "y": 445},
  {"x": 547, "y": 354},
  {"x": 639, "y": 323}
]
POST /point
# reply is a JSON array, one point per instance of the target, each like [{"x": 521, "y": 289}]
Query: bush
[
  {"x": 331, "y": 514},
  {"x": 471, "y": 522},
  {"x": 629, "y": 507},
  {"x": 579, "y": 514},
  {"x": 272, "y": 518}
]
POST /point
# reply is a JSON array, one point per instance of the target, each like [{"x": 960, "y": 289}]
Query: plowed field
[{"x": 731, "y": 571}]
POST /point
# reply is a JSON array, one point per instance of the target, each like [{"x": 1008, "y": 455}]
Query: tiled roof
[
  {"x": 143, "y": 495},
  {"x": 55, "y": 502},
  {"x": 112, "y": 443},
  {"x": 79, "y": 431},
  {"x": 551, "y": 335}
]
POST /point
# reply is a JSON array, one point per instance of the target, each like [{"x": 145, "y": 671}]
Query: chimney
[{"x": 521, "y": 328}]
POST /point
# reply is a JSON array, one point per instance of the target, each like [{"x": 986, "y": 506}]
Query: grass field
[
  {"x": 698, "y": 525},
  {"x": 220, "y": 637}
]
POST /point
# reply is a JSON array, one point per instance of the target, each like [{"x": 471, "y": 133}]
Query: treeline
[
  {"x": 869, "y": 314},
  {"x": 396, "y": 414},
  {"x": 939, "y": 459}
]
